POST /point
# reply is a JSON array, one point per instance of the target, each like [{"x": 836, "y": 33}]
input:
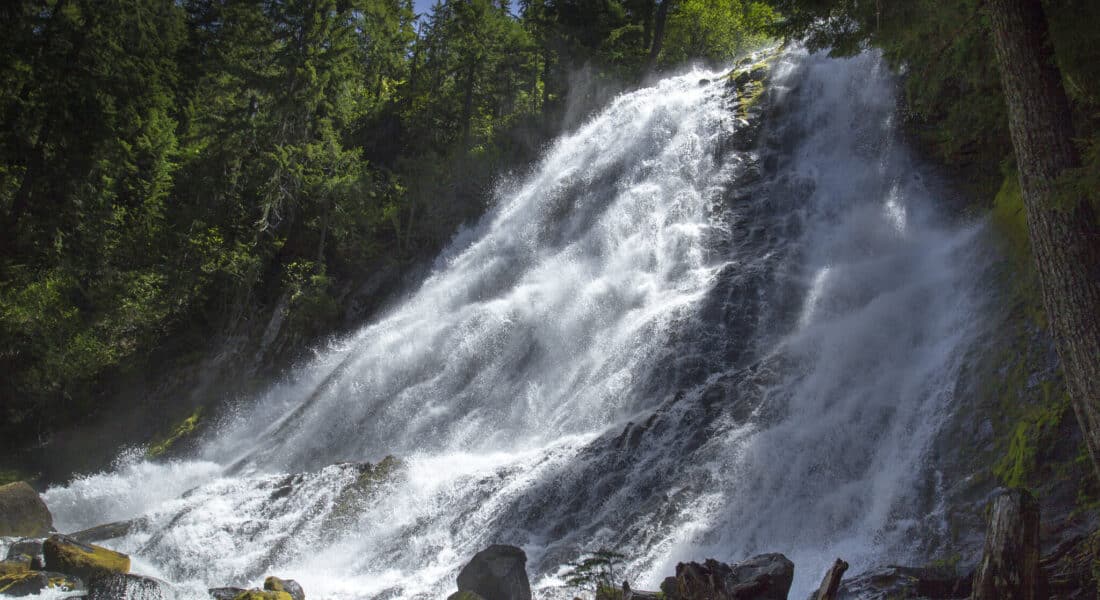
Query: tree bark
[
  {"x": 1064, "y": 232},
  {"x": 1010, "y": 562},
  {"x": 468, "y": 102},
  {"x": 658, "y": 34}
]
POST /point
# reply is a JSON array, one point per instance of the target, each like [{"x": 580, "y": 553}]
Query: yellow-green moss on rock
[
  {"x": 274, "y": 584},
  {"x": 185, "y": 429},
  {"x": 87, "y": 561},
  {"x": 27, "y": 582}
]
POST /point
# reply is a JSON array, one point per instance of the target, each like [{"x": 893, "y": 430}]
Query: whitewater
[{"x": 661, "y": 340}]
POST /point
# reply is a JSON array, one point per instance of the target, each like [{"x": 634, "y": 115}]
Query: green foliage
[
  {"x": 595, "y": 572},
  {"x": 175, "y": 171},
  {"x": 1035, "y": 430}
]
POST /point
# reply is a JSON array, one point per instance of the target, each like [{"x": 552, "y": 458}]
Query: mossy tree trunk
[{"x": 1063, "y": 228}]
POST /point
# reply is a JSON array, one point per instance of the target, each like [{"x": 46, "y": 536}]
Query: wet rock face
[
  {"x": 886, "y": 583},
  {"x": 764, "y": 577},
  {"x": 497, "y": 573},
  {"x": 22, "y": 512}
]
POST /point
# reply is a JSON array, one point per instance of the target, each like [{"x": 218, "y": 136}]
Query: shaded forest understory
[{"x": 193, "y": 194}]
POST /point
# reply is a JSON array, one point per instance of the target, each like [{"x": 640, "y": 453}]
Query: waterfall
[{"x": 655, "y": 342}]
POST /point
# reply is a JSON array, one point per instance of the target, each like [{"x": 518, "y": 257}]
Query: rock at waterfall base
[
  {"x": 22, "y": 512},
  {"x": 225, "y": 593},
  {"x": 17, "y": 579},
  {"x": 66, "y": 555},
  {"x": 464, "y": 596},
  {"x": 764, "y": 577},
  {"x": 497, "y": 573},
  {"x": 130, "y": 587},
  {"x": 274, "y": 584},
  {"x": 28, "y": 550},
  {"x": 886, "y": 583}
]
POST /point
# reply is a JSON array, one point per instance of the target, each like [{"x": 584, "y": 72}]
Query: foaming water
[{"x": 655, "y": 343}]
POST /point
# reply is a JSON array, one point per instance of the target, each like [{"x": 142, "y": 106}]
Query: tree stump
[
  {"x": 831, "y": 584},
  {"x": 1010, "y": 562}
]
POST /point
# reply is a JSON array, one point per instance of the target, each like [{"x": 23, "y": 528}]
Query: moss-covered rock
[
  {"x": 274, "y": 584},
  {"x": 185, "y": 429},
  {"x": 27, "y": 582},
  {"x": 26, "y": 549},
  {"x": 22, "y": 512},
  {"x": 87, "y": 561},
  {"x": 11, "y": 567}
]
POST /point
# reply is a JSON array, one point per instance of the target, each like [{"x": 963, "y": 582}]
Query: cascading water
[{"x": 654, "y": 343}]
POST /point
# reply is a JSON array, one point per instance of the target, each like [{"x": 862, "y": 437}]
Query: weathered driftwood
[{"x": 1010, "y": 562}]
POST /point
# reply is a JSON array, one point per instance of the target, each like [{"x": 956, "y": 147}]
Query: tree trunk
[
  {"x": 1010, "y": 562},
  {"x": 658, "y": 34},
  {"x": 1064, "y": 232},
  {"x": 468, "y": 103},
  {"x": 647, "y": 24}
]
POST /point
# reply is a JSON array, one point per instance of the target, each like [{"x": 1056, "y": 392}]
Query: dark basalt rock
[
  {"x": 22, "y": 512},
  {"x": 497, "y": 573},
  {"x": 464, "y": 596},
  {"x": 764, "y": 577}
]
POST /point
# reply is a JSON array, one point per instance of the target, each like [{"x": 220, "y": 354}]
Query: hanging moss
[{"x": 185, "y": 429}]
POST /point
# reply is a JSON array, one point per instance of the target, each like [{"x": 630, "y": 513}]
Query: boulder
[
  {"x": 464, "y": 596},
  {"x": 1010, "y": 561},
  {"x": 128, "y": 586},
  {"x": 22, "y": 512},
  {"x": 101, "y": 533},
  {"x": 764, "y": 577},
  {"x": 497, "y": 573},
  {"x": 886, "y": 583},
  {"x": 274, "y": 584},
  {"x": 27, "y": 549},
  {"x": 830, "y": 586},
  {"x": 225, "y": 593},
  {"x": 25, "y": 582},
  {"x": 66, "y": 555}
]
